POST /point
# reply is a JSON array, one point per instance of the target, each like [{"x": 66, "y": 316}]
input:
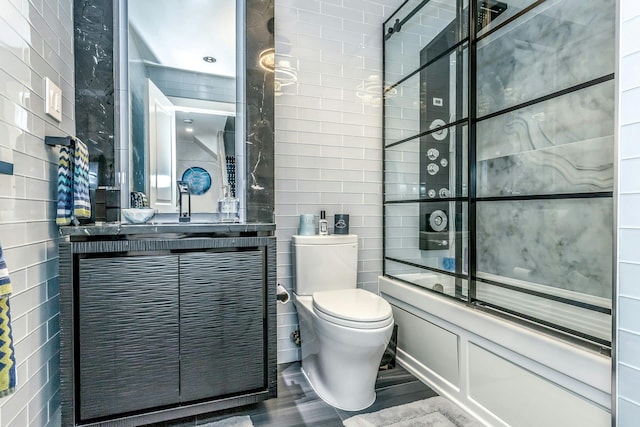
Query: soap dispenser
[{"x": 228, "y": 206}]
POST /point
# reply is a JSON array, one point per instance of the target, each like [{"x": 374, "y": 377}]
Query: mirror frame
[{"x": 122, "y": 129}]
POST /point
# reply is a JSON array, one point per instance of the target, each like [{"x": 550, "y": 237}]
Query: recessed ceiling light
[
  {"x": 190, "y": 130},
  {"x": 209, "y": 59}
]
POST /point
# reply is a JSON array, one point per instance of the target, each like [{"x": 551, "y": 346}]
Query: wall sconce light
[
  {"x": 371, "y": 91},
  {"x": 267, "y": 59},
  {"x": 285, "y": 69}
]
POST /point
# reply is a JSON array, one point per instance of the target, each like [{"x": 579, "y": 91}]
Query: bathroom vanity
[{"x": 165, "y": 321}]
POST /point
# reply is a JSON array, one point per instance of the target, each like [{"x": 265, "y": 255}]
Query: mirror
[{"x": 182, "y": 100}]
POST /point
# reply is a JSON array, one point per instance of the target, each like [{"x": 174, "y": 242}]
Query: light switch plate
[{"x": 53, "y": 99}]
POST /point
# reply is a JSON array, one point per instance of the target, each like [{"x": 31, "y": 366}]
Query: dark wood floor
[{"x": 298, "y": 405}]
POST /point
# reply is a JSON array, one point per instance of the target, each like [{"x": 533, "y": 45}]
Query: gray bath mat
[
  {"x": 433, "y": 412},
  {"x": 242, "y": 421}
]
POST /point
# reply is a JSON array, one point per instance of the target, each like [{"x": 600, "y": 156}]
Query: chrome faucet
[{"x": 183, "y": 188}]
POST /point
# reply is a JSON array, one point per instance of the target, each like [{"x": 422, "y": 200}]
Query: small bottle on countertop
[
  {"x": 323, "y": 224},
  {"x": 228, "y": 206}
]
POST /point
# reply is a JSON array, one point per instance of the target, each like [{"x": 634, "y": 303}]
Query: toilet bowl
[
  {"x": 341, "y": 350},
  {"x": 344, "y": 330}
]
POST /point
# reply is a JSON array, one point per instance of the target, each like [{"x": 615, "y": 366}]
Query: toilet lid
[{"x": 353, "y": 305}]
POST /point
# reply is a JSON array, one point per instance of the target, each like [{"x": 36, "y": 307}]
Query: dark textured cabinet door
[
  {"x": 222, "y": 323},
  {"x": 128, "y": 330}
]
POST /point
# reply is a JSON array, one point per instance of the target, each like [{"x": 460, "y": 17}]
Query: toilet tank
[{"x": 324, "y": 263}]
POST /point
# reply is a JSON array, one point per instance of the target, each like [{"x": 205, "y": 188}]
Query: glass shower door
[
  {"x": 426, "y": 145},
  {"x": 498, "y": 158}
]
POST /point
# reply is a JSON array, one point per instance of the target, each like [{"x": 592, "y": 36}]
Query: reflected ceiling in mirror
[
  {"x": 181, "y": 33},
  {"x": 182, "y": 98}
]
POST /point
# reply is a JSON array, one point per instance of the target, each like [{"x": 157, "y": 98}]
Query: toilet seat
[{"x": 353, "y": 308}]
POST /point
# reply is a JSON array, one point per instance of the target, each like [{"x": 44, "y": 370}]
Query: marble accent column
[
  {"x": 94, "y": 100},
  {"x": 260, "y": 157}
]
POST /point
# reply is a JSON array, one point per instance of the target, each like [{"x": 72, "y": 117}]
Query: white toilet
[{"x": 344, "y": 330}]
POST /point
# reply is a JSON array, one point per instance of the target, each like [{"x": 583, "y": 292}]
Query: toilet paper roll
[{"x": 282, "y": 294}]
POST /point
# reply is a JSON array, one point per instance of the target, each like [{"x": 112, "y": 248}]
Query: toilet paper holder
[{"x": 282, "y": 295}]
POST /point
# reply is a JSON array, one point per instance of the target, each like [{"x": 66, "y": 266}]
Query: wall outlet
[{"x": 53, "y": 99}]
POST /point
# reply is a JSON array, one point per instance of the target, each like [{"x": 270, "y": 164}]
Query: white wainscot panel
[
  {"x": 525, "y": 399},
  {"x": 435, "y": 347}
]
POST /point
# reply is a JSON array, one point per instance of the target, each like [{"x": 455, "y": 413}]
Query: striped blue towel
[
  {"x": 73, "y": 184},
  {"x": 7, "y": 357},
  {"x": 81, "y": 200},
  {"x": 65, "y": 187}
]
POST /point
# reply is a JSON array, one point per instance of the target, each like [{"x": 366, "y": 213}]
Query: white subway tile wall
[
  {"x": 329, "y": 131},
  {"x": 36, "y": 41},
  {"x": 628, "y": 307}
]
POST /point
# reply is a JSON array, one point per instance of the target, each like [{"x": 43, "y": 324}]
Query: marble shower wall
[
  {"x": 564, "y": 244},
  {"x": 557, "y": 45},
  {"x": 561, "y": 145}
]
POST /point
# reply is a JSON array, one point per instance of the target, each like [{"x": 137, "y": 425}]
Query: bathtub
[{"x": 503, "y": 373}]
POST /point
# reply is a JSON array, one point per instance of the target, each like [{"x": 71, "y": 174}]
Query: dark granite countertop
[{"x": 149, "y": 229}]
